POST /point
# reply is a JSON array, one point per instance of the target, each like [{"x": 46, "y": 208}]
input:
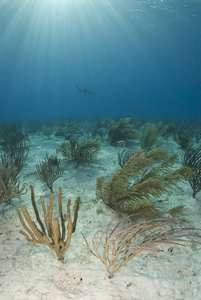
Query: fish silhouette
[{"x": 84, "y": 91}]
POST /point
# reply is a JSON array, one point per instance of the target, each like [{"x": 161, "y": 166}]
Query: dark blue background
[{"x": 141, "y": 58}]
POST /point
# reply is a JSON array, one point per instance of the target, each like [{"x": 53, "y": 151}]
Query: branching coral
[
  {"x": 192, "y": 159},
  {"x": 80, "y": 150},
  {"x": 183, "y": 138},
  {"x": 144, "y": 176},
  {"x": 121, "y": 130},
  {"x": 124, "y": 155},
  {"x": 56, "y": 237},
  {"x": 118, "y": 245},
  {"x": 9, "y": 181},
  {"x": 49, "y": 171},
  {"x": 150, "y": 134},
  {"x": 15, "y": 145},
  {"x": 48, "y": 131}
]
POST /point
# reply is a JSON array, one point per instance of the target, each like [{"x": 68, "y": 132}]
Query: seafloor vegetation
[{"x": 148, "y": 169}]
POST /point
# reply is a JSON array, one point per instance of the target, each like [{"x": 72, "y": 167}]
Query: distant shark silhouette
[{"x": 84, "y": 91}]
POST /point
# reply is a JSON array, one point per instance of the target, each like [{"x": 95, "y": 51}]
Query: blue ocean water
[{"x": 140, "y": 58}]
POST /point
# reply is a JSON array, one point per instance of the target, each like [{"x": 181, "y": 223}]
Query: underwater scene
[{"x": 100, "y": 149}]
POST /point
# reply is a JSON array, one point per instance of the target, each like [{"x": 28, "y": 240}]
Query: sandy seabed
[{"x": 32, "y": 272}]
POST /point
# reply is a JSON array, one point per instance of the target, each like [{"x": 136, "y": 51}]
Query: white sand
[{"x": 32, "y": 272}]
